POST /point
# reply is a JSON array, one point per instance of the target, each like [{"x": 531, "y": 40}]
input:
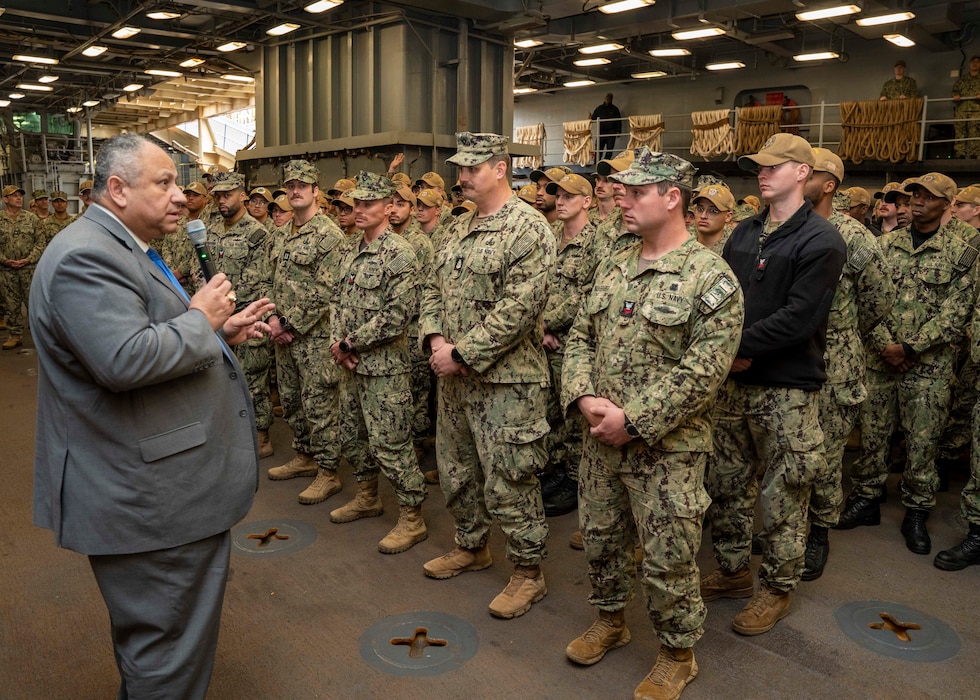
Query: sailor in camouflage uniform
[
  {"x": 22, "y": 241},
  {"x": 612, "y": 234},
  {"x": 900, "y": 87},
  {"x": 60, "y": 218},
  {"x": 864, "y": 297},
  {"x": 644, "y": 360},
  {"x": 911, "y": 359},
  {"x": 966, "y": 95},
  {"x": 305, "y": 257},
  {"x": 481, "y": 318}
]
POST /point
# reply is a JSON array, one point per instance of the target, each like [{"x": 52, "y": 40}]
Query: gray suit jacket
[{"x": 145, "y": 430}]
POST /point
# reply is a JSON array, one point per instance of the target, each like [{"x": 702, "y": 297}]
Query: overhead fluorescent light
[
  {"x": 73, "y": 110},
  {"x": 163, "y": 15},
  {"x": 702, "y": 33},
  {"x": 524, "y": 90},
  {"x": 232, "y": 46},
  {"x": 90, "y": 103},
  {"x": 816, "y": 56},
  {"x": 126, "y": 32},
  {"x": 827, "y": 13},
  {"x": 4, "y": 103},
  {"x": 527, "y": 43},
  {"x": 578, "y": 83},
  {"x": 94, "y": 50},
  {"x": 48, "y": 79},
  {"x": 238, "y": 78},
  {"x": 132, "y": 87},
  {"x": 584, "y": 62},
  {"x": 663, "y": 53},
  {"x": 163, "y": 73},
  {"x": 16, "y": 95},
  {"x": 322, "y": 6},
  {"x": 601, "y": 48},
  {"x": 283, "y": 28},
  {"x": 899, "y": 40},
  {"x": 649, "y": 74},
  {"x": 35, "y": 88},
  {"x": 191, "y": 62},
  {"x": 725, "y": 65},
  {"x": 611, "y": 8},
  {"x": 27, "y": 58},
  {"x": 885, "y": 19}
]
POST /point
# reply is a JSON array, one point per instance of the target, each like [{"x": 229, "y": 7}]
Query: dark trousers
[
  {"x": 607, "y": 144},
  {"x": 165, "y": 610}
]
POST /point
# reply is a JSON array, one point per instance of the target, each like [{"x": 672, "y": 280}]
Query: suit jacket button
[
  {"x": 243, "y": 413},
  {"x": 234, "y": 375}
]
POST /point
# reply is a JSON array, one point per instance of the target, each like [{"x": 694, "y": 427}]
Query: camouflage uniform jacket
[
  {"x": 446, "y": 218},
  {"x": 377, "y": 292},
  {"x": 487, "y": 290},
  {"x": 439, "y": 236},
  {"x": 242, "y": 253},
  {"x": 658, "y": 343},
  {"x": 892, "y": 88},
  {"x": 610, "y": 237},
  {"x": 569, "y": 283},
  {"x": 305, "y": 263},
  {"x": 178, "y": 252},
  {"x": 934, "y": 297},
  {"x": 21, "y": 237},
  {"x": 966, "y": 86},
  {"x": 53, "y": 225},
  {"x": 424, "y": 252},
  {"x": 864, "y": 297}
]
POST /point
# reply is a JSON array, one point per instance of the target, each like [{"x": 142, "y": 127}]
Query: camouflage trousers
[
  {"x": 488, "y": 447},
  {"x": 564, "y": 442},
  {"x": 920, "y": 404},
  {"x": 15, "y": 288},
  {"x": 661, "y": 496},
  {"x": 309, "y": 396},
  {"x": 255, "y": 357},
  {"x": 422, "y": 380},
  {"x": 837, "y": 420},
  {"x": 970, "y": 110},
  {"x": 377, "y": 427},
  {"x": 970, "y": 496},
  {"x": 959, "y": 425},
  {"x": 775, "y": 431}
]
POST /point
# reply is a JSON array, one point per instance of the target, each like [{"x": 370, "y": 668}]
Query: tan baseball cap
[
  {"x": 430, "y": 198},
  {"x": 405, "y": 192},
  {"x": 859, "y": 195},
  {"x": 10, "y": 189},
  {"x": 342, "y": 185},
  {"x": 937, "y": 183},
  {"x": 780, "y": 148},
  {"x": 826, "y": 161},
  {"x": 344, "y": 198},
  {"x": 719, "y": 195},
  {"x": 615, "y": 165},
  {"x": 554, "y": 174},
  {"x": 891, "y": 186},
  {"x": 892, "y": 195},
  {"x": 529, "y": 193},
  {"x": 571, "y": 183},
  {"x": 282, "y": 201},
  {"x": 752, "y": 201},
  {"x": 432, "y": 179},
  {"x": 262, "y": 192},
  {"x": 464, "y": 207},
  {"x": 969, "y": 195},
  {"x": 198, "y": 188},
  {"x": 401, "y": 179},
  {"x": 86, "y": 185}
]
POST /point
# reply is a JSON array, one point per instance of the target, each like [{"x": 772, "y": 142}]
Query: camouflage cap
[
  {"x": 344, "y": 198},
  {"x": 650, "y": 167},
  {"x": 707, "y": 180},
  {"x": 370, "y": 186},
  {"x": 571, "y": 183},
  {"x": 10, "y": 189},
  {"x": 282, "y": 201},
  {"x": 615, "y": 165},
  {"x": 826, "y": 161},
  {"x": 302, "y": 170},
  {"x": 430, "y": 198},
  {"x": 529, "y": 193},
  {"x": 342, "y": 185},
  {"x": 405, "y": 192},
  {"x": 198, "y": 188},
  {"x": 40, "y": 194},
  {"x": 778, "y": 149},
  {"x": 742, "y": 212},
  {"x": 892, "y": 196},
  {"x": 86, "y": 185},
  {"x": 859, "y": 195},
  {"x": 401, "y": 179},
  {"x": 937, "y": 183},
  {"x": 553, "y": 174},
  {"x": 59, "y": 194},
  {"x": 464, "y": 207},
  {"x": 431, "y": 179},
  {"x": 891, "y": 186},
  {"x": 226, "y": 182},
  {"x": 719, "y": 195},
  {"x": 842, "y": 200},
  {"x": 969, "y": 195},
  {"x": 263, "y": 192},
  {"x": 473, "y": 149}
]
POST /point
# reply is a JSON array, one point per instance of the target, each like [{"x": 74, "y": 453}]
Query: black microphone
[{"x": 198, "y": 233}]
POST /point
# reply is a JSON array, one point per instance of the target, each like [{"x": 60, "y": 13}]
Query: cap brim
[
  {"x": 468, "y": 159},
  {"x": 758, "y": 160}
]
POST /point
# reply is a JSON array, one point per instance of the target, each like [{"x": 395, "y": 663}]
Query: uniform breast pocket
[
  {"x": 484, "y": 283},
  {"x": 303, "y": 256},
  {"x": 935, "y": 274},
  {"x": 663, "y": 329},
  {"x": 366, "y": 292}
]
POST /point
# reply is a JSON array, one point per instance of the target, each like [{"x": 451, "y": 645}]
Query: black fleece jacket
[{"x": 788, "y": 287}]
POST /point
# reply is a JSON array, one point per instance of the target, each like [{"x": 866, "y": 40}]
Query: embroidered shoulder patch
[
  {"x": 522, "y": 246},
  {"x": 401, "y": 261},
  {"x": 967, "y": 259},
  {"x": 860, "y": 258},
  {"x": 720, "y": 291}
]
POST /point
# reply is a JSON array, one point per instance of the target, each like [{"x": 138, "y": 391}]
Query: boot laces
[
  {"x": 761, "y": 601},
  {"x": 664, "y": 669},
  {"x": 599, "y": 629}
]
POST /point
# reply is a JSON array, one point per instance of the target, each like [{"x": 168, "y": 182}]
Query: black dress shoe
[
  {"x": 563, "y": 500},
  {"x": 815, "y": 556},
  {"x": 551, "y": 482},
  {"x": 859, "y": 511},
  {"x": 966, "y": 553},
  {"x": 914, "y": 529}
]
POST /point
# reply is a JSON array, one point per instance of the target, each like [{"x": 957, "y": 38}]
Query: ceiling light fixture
[
  {"x": 283, "y": 28},
  {"x": 725, "y": 65},
  {"x": 48, "y": 79},
  {"x": 94, "y": 50},
  {"x": 322, "y": 6},
  {"x": 585, "y": 62},
  {"x": 16, "y": 95},
  {"x": 524, "y": 90},
  {"x": 4, "y": 103},
  {"x": 27, "y": 58},
  {"x": 232, "y": 46},
  {"x": 885, "y": 19},
  {"x": 73, "y": 110},
  {"x": 34, "y": 88},
  {"x": 126, "y": 32},
  {"x": 611, "y": 8},
  {"x": 90, "y": 103},
  {"x": 663, "y": 53},
  {"x": 163, "y": 14},
  {"x": 601, "y": 48},
  {"x": 827, "y": 13},
  {"x": 578, "y": 83},
  {"x": 163, "y": 73},
  {"x": 527, "y": 43},
  {"x": 899, "y": 40},
  {"x": 191, "y": 62},
  {"x": 702, "y": 33},
  {"x": 649, "y": 74},
  {"x": 816, "y": 56},
  {"x": 132, "y": 87},
  {"x": 238, "y": 78}
]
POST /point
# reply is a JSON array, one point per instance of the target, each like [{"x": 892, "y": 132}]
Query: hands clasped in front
[{"x": 607, "y": 421}]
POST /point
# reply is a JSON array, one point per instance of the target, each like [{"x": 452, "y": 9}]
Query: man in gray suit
[{"x": 145, "y": 453}]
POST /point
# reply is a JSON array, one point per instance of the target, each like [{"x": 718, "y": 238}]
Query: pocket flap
[
  {"x": 172, "y": 442},
  {"x": 523, "y": 434}
]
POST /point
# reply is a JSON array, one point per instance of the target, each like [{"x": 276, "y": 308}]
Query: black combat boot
[
  {"x": 858, "y": 511},
  {"x": 966, "y": 553},
  {"x": 914, "y": 529},
  {"x": 817, "y": 549}
]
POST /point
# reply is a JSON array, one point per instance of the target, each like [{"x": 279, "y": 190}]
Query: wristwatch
[
  {"x": 630, "y": 428},
  {"x": 345, "y": 346},
  {"x": 284, "y": 323}
]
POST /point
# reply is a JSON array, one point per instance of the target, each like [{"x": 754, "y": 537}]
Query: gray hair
[{"x": 119, "y": 156}]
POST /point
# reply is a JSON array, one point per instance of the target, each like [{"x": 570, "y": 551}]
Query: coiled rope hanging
[
  {"x": 881, "y": 130},
  {"x": 754, "y": 127},
  {"x": 712, "y": 133}
]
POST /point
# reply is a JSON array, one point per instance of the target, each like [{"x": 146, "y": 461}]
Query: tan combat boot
[
  {"x": 457, "y": 561},
  {"x": 366, "y": 504},
  {"x": 300, "y": 465},
  {"x": 721, "y": 584},
  {"x": 408, "y": 531},
  {"x": 265, "y": 446},
  {"x": 673, "y": 670},
  {"x": 526, "y": 587},
  {"x": 576, "y": 541},
  {"x": 608, "y": 632},
  {"x": 761, "y": 614},
  {"x": 325, "y": 485},
  {"x": 13, "y": 341}
]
